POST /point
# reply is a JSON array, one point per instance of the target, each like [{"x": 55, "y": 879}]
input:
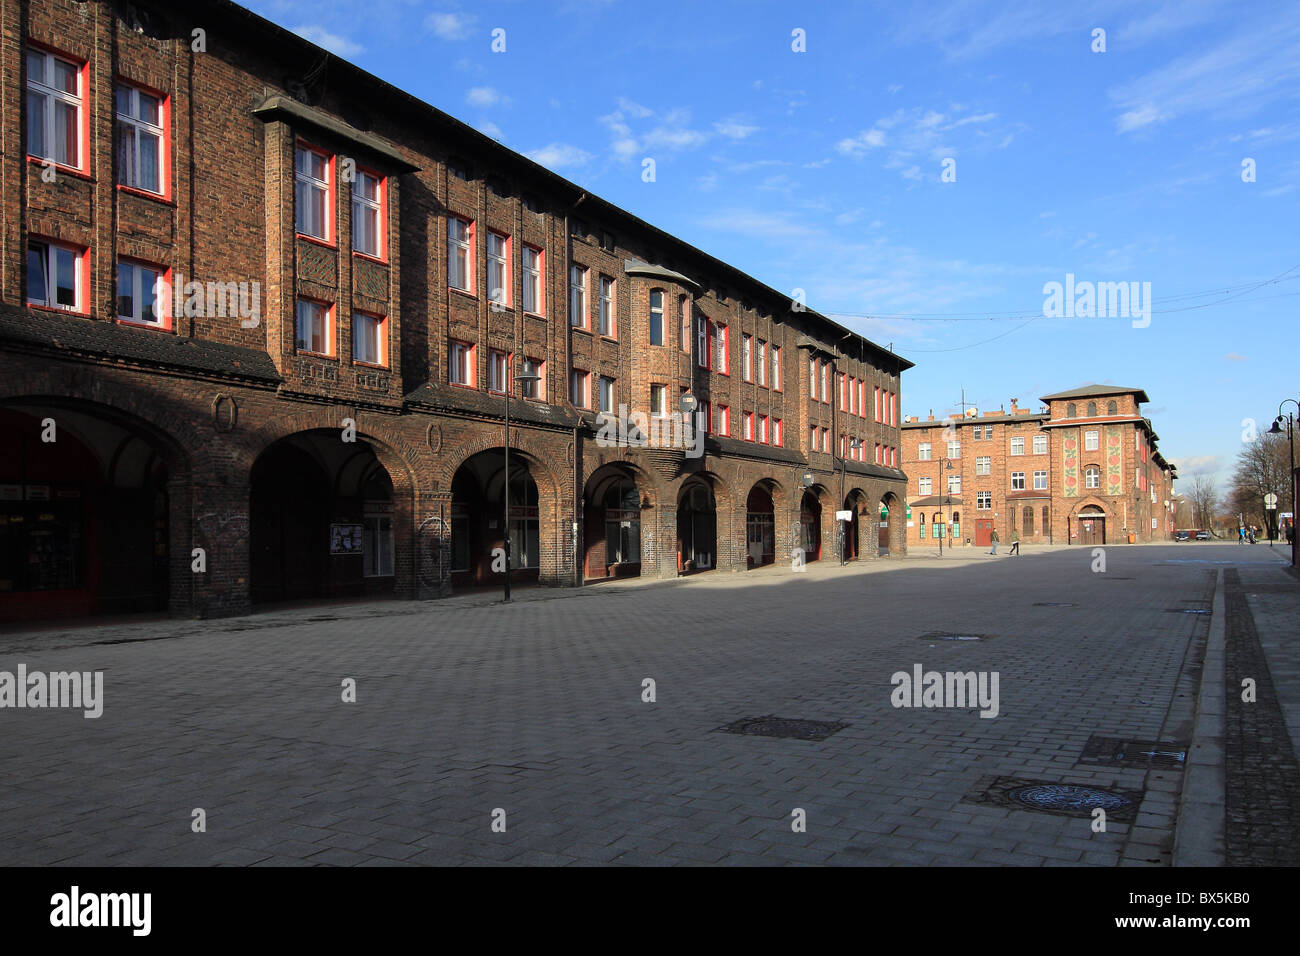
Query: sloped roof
[{"x": 1091, "y": 391}]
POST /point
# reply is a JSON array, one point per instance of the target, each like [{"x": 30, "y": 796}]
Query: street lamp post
[
  {"x": 945, "y": 464},
  {"x": 526, "y": 375},
  {"x": 1290, "y": 430},
  {"x": 854, "y": 445}
]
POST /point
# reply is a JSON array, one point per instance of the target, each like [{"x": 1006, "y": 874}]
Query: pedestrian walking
[
  {"x": 994, "y": 539},
  {"x": 1241, "y": 535},
  {"x": 1015, "y": 543}
]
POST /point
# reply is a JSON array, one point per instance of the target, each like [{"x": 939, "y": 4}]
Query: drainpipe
[{"x": 576, "y": 530}]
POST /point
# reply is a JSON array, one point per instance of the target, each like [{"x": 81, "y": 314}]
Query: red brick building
[
  {"x": 260, "y": 311},
  {"x": 1085, "y": 469}
]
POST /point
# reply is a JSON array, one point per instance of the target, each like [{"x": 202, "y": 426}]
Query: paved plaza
[{"x": 466, "y": 707}]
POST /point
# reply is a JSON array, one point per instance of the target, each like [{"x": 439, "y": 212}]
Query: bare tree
[
  {"x": 1263, "y": 467},
  {"x": 1203, "y": 498}
]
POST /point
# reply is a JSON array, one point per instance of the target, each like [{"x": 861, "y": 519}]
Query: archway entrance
[
  {"x": 84, "y": 516},
  {"x": 1091, "y": 526},
  {"x": 854, "y": 503},
  {"x": 697, "y": 527},
  {"x": 612, "y": 518},
  {"x": 760, "y": 527},
  {"x": 320, "y": 520},
  {"x": 478, "y": 529},
  {"x": 810, "y": 526}
]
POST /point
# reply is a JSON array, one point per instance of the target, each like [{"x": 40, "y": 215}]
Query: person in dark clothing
[
  {"x": 1015, "y": 542},
  {"x": 994, "y": 539}
]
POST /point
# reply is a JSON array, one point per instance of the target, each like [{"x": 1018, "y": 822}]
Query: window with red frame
[
  {"x": 314, "y": 332},
  {"x": 748, "y": 419},
  {"x": 369, "y": 339},
  {"x": 55, "y": 108},
  {"x": 141, "y": 139},
  {"x": 778, "y": 433},
  {"x": 722, "y": 360},
  {"x": 776, "y": 368},
  {"x": 461, "y": 369},
  {"x": 368, "y": 214},
  {"x": 56, "y": 275},
  {"x": 138, "y": 285},
  {"x": 313, "y": 193}
]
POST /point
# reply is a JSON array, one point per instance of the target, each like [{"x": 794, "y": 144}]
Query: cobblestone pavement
[
  {"x": 1262, "y": 774},
  {"x": 465, "y": 706}
]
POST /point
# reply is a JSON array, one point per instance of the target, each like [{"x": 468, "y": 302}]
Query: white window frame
[
  {"x": 460, "y": 254},
  {"x": 721, "y": 342},
  {"x": 579, "y": 391},
  {"x": 1040, "y": 480},
  {"x": 368, "y": 210},
  {"x": 140, "y": 129},
  {"x": 1040, "y": 445},
  {"x": 50, "y": 269},
  {"x": 1018, "y": 446},
  {"x": 462, "y": 364},
  {"x": 378, "y": 326},
  {"x": 326, "y": 322},
  {"x": 924, "y": 486},
  {"x": 498, "y": 370},
  {"x": 532, "y": 275},
  {"x": 657, "y": 317},
  {"x": 703, "y": 355},
  {"x": 923, "y": 451},
  {"x": 306, "y": 181},
  {"x": 578, "y": 313},
  {"x": 138, "y": 291},
  {"x": 983, "y": 501},
  {"x": 44, "y": 88},
  {"x": 1092, "y": 477},
  {"x": 658, "y": 401},
  {"x": 1092, "y": 440},
  {"x": 605, "y": 307},
  {"x": 954, "y": 449},
  {"x": 954, "y": 484},
  {"x": 498, "y": 269},
  {"x": 1017, "y": 481},
  {"x": 984, "y": 465}
]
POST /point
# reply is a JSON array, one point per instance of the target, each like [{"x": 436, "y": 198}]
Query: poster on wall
[{"x": 345, "y": 538}]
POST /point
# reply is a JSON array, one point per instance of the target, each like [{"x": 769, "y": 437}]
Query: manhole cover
[
  {"x": 1068, "y": 798},
  {"x": 784, "y": 727},
  {"x": 947, "y": 636},
  {"x": 1054, "y": 604},
  {"x": 1122, "y": 752},
  {"x": 1062, "y": 799}
]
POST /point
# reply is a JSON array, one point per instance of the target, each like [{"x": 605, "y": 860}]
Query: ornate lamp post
[
  {"x": 945, "y": 464},
  {"x": 1290, "y": 430},
  {"x": 527, "y": 374}
]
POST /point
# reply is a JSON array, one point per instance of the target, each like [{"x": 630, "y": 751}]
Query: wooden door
[{"x": 983, "y": 532}]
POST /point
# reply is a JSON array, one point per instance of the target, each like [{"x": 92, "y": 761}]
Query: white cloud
[
  {"x": 559, "y": 155},
  {"x": 484, "y": 96},
  {"x": 1235, "y": 77},
  {"x": 858, "y": 145},
  {"x": 1234, "y": 357},
  {"x": 734, "y": 129},
  {"x": 336, "y": 44},
  {"x": 488, "y": 128},
  {"x": 450, "y": 26}
]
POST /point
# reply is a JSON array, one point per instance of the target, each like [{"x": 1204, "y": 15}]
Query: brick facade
[
  {"x": 1132, "y": 484},
  {"x": 233, "y": 434}
]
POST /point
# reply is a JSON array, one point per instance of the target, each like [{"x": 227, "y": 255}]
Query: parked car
[
  {"x": 1202, "y": 536},
  {"x": 1182, "y": 536}
]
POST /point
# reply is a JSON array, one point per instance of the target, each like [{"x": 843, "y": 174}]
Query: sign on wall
[{"x": 345, "y": 538}]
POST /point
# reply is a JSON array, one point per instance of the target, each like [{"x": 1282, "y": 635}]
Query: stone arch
[
  {"x": 614, "y": 495},
  {"x": 893, "y": 538}
]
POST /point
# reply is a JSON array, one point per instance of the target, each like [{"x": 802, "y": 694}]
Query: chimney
[
  {"x": 1015, "y": 409},
  {"x": 932, "y": 414}
]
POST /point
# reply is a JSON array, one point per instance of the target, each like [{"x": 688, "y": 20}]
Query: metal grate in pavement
[
  {"x": 787, "y": 727},
  {"x": 1123, "y": 752}
]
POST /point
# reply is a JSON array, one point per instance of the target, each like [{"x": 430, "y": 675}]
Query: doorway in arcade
[{"x": 478, "y": 493}]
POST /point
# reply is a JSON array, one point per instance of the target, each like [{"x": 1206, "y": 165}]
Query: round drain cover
[{"x": 1069, "y": 798}]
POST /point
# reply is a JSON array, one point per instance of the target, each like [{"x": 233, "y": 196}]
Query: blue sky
[{"x": 821, "y": 170}]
